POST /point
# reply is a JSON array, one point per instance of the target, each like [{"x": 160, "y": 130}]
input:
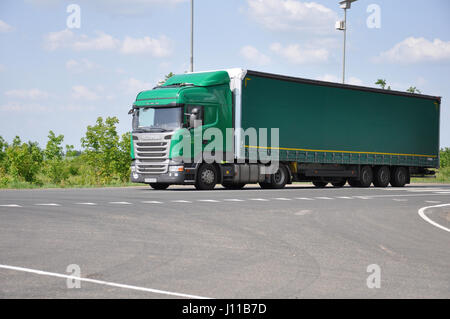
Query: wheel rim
[
  {"x": 278, "y": 177},
  {"x": 208, "y": 176}
]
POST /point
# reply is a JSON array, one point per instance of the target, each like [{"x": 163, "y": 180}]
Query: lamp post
[
  {"x": 192, "y": 36},
  {"x": 342, "y": 26}
]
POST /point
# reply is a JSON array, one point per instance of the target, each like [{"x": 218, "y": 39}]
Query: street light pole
[
  {"x": 192, "y": 36},
  {"x": 345, "y": 40},
  {"x": 342, "y": 26}
]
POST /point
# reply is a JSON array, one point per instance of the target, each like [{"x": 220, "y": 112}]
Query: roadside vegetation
[{"x": 103, "y": 161}]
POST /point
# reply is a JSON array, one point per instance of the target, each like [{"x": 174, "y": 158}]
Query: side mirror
[
  {"x": 131, "y": 111},
  {"x": 193, "y": 118}
]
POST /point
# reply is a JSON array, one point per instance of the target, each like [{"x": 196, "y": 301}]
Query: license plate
[{"x": 150, "y": 180}]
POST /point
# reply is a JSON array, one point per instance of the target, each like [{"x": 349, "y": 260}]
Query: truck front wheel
[
  {"x": 159, "y": 186},
  {"x": 206, "y": 177}
]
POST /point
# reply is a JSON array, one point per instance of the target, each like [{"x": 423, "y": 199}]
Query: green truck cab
[{"x": 325, "y": 132}]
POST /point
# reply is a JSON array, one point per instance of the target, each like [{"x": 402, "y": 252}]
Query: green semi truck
[{"x": 326, "y": 132}]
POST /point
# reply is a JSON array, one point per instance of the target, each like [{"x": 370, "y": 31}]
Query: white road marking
[
  {"x": 282, "y": 198},
  {"x": 233, "y": 200},
  {"x": 10, "y": 205},
  {"x": 344, "y": 197},
  {"x": 259, "y": 199},
  {"x": 362, "y": 197},
  {"x": 89, "y": 204},
  {"x": 433, "y": 201},
  {"x": 304, "y": 198},
  {"x": 208, "y": 200},
  {"x": 151, "y": 202},
  {"x": 101, "y": 282},
  {"x": 327, "y": 198},
  {"x": 120, "y": 203},
  {"x": 47, "y": 204},
  {"x": 442, "y": 192},
  {"x": 181, "y": 201},
  {"x": 425, "y": 217}
]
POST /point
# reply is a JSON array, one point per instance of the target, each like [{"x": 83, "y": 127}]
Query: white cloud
[
  {"x": 292, "y": 15},
  {"x": 131, "y": 7},
  {"x": 333, "y": 78},
  {"x": 80, "y": 92},
  {"x": 80, "y": 66},
  {"x": 155, "y": 47},
  {"x": 68, "y": 39},
  {"x": 254, "y": 56},
  {"x": 294, "y": 53},
  {"x": 414, "y": 50},
  {"x": 27, "y": 107},
  {"x": 4, "y": 27},
  {"x": 31, "y": 94},
  {"x": 134, "y": 86}
]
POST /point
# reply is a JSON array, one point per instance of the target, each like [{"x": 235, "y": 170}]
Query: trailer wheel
[
  {"x": 399, "y": 177},
  {"x": 233, "y": 186},
  {"x": 320, "y": 184},
  {"x": 206, "y": 177},
  {"x": 366, "y": 176},
  {"x": 382, "y": 176},
  {"x": 159, "y": 186},
  {"x": 339, "y": 184}
]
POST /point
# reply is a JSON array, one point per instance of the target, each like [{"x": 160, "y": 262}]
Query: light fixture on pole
[
  {"x": 342, "y": 26},
  {"x": 192, "y": 36}
]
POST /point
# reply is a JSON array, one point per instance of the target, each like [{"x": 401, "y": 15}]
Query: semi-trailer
[{"x": 326, "y": 132}]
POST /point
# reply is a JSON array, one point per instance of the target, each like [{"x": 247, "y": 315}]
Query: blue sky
[{"x": 57, "y": 78}]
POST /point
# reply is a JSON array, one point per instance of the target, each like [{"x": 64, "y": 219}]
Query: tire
[
  {"x": 399, "y": 177},
  {"x": 159, "y": 186},
  {"x": 280, "y": 178},
  {"x": 339, "y": 184},
  {"x": 366, "y": 176},
  {"x": 320, "y": 184},
  {"x": 382, "y": 177},
  {"x": 354, "y": 182},
  {"x": 206, "y": 177},
  {"x": 233, "y": 186}
]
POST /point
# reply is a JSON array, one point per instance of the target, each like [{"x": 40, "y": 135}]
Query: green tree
[
  {"x": 413, "y": 89},
  {"x": 3, "y": 146},
  {"x": 382, "y": 83},
  {"x": 53, "y": 154},
  {"x": 445, "y": 157},
  {"x": 101, "y": 144},
  {"x": 24, "y": 160}
]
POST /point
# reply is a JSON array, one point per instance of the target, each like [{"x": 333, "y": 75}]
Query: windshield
[{"x": 157, "y": 118}]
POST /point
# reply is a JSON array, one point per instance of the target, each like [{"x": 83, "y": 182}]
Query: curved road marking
[
  {"x": 426, "y": 218},
  {"x": 101, "y": 282}
]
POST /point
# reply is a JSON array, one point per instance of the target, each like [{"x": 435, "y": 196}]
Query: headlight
[{"x": 176, "y": 168}]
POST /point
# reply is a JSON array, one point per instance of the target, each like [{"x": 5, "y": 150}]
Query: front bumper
[{"x": 185, "y": 177}]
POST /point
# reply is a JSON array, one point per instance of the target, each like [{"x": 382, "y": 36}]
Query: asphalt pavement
[{"x": 300, "y": 242}]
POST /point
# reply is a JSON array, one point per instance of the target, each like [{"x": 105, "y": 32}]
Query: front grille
[{"x": 152, "y": 157}]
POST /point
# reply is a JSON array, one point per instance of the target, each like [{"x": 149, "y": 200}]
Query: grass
[{"x": 442, "y": 176}]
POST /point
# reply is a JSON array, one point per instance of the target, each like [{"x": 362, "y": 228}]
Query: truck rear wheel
[
  {"x": 233, "y": 186},
  {"x": 206, "y": 177},
  {"x": 159, "y": 186},
  {"x": 320, "y": 184},
  {"x": 399, "y": 177},
  {"x": 382, "y": 176},
  {"x": 366, "y": 176},
  {"x": 277, "y": 180}
]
